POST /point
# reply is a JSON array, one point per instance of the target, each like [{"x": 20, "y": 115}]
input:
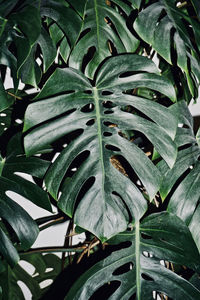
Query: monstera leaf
[
  {"x": 184, "y": 201},
  {"x": 5, "y": 101},
  {"x": 31, "y": 38},
  {"x": 21, "y": 223},
  {"x": 136, "y": 271},
  {"x": 164, "y": 26},
  {"x": 63, "y": 33},
  {"x": 102, "y": 27},
  {"x": 47, "y": 267},
  {"x": 98, "y": 113}
]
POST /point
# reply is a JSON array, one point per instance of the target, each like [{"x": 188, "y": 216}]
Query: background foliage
[{"x": 107, "y": 138}]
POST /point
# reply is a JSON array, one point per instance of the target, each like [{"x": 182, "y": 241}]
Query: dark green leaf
[
  {"x": 156, "y": 28},
  {"x": 7, "y": 6},
  {"x": 29, "y": 70},
  {"x": 16, "y": 162},
  {"x": 102, "y": 26},
  {"x": 7, "y": 249},
  {"x": 24, "y": 227},
  {"x": 48, "y": 49},
  {"x": 31, "y": 30},
  {"x": 5, "y": 101},
  {"x": 10, "y": 277},
  {"x": 196, "y": 5},
  {"x": 66, "y": 18},
  {"x": 138, "y": 268},
  {"x": 184, "y": 201},
  {"x": 51, "y": 121},
  {"x": 5, "y": 120}
]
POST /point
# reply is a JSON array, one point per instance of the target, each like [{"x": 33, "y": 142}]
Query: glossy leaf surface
[
  {"x": 22, "y": 224},
  {"x": 137, "y": 269},
  {"x": 81, "y": 106},
  {"x": 184, "y": 201},
  {"x": 164, "y": 26},
  {"x": 5, "y": 100},
  {"x": 46, "y": 267},
  {"x": 103, "y": 26}
]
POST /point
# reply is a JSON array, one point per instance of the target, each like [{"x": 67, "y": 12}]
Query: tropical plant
[{"x": 97, "y": 116}]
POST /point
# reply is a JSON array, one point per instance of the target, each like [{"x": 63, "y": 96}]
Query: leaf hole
[
  {"x": 145, "y": 253},
  {"x": 122, "y": 205},
  {"x": 109, "y": 124},
  {"x": 25, "y": 290},
  {"x": 146, "y": 236},
  {"x": 112, "y": 48},
  {"x": 105, "y": 291},
  {"x": 106, "y": 133},
  {"x": 122, "y": 164},
  {"x": 88, "y": 92},
  {"x": 25, "y": 176},
  {"x": 130, "y": 73},
  {"x": 28, "y": 267},
  {"x": 88, "y": 57},
  {"x": 90, "y": 122},
  {"x": 84, "y": 189},
  {"x": 133, "y": 297},
  {"x": 18, "y": 121},
  {"x": 112, "y": 148},
  {"x": 76, "y": 163},
  {"x": 106, "y": 93},
  {"x": 45, "y": 283},
  {"x": 107, "y": 112},
  {"x": 88, "y": 107},
  {"x": 147, "y": 277},
  {"x": 84, "y": 32},
  {"x": 123, "y": 269},
  {"x": 48, "y": 270},
  {"x": 108, "y": 104}
]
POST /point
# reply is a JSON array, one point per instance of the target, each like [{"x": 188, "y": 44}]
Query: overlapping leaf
[
  {"x": 47, "y": 267},
  {"x": 136, "y": 270},
  {"x": 21, "y": 223},
  {"x": 28, "y": 37},
  {"x": 5, "y": 100},
  {"x": 166, "y": 27},
  {"x": 102, "y": 27},
  {"x": 72, "y": 104},
  {"x": 185, "y": 197}
]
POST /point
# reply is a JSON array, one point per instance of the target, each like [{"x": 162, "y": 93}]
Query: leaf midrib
[
  {"x": 97, "y": 22},
  {"x": 99, "y": 134}
]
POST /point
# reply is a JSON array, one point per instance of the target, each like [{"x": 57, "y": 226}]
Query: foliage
[{"x": 107, "y": 139}]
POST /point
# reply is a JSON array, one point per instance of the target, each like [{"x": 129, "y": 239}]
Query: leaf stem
[
  {"x": 53, "y": 249},
  {"x": 13, "y": 95},
  {"x": 137, "y": 256},
  {"x": 52, "y": 222}
]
